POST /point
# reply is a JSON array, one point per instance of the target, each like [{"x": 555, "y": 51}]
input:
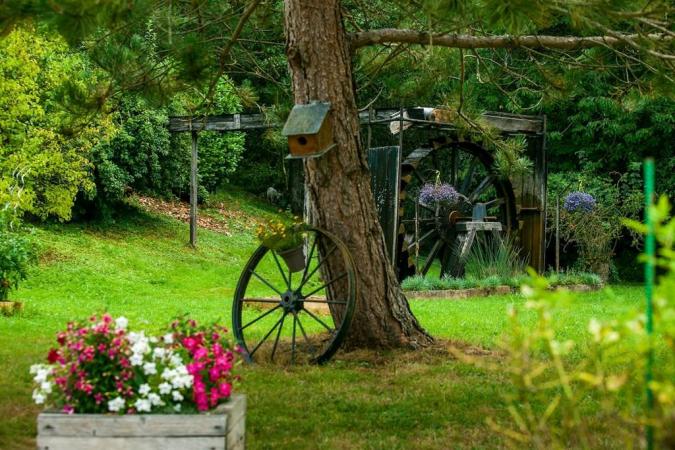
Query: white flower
[
  {"x": 143, "y": 405},
  {"x": 149, "y": 368},
  {"x": 136, "y": 359},
  {"x": 144, "y": 389},
  {"x": 595, "y": 328},
  {"x": 41, "y": 372},
  {"x": 154, "y": 340},
  {"x": 168, "y": 338},
  {"x": 164, "y": 388},
  {"x": 134, "y": 337},
  {"x": 121, "y": 323},
  {"x": 38, "y": 397},
  {"x": 159, "y": 353},
  {"x": 612, "y": 336},
  {"x": 154, "y": 399},
  {"x": 176, "y": 360},
  {"x": 46, "y": 387},
  {"x": 116, "y": 404},
  {"x": 176, "y": 407},
  {"x": 168, "y": 374},
  {"x": 177, "y": 396},
  {"x": 141, "y": 347}
]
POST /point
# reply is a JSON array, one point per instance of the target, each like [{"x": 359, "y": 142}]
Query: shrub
[{"x": 16, "y": 255}]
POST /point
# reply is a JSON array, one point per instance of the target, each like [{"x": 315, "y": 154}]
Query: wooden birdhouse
[{"x": 309, "y": 130}]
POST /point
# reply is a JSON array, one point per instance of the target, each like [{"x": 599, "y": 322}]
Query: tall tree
[{"x": 338, "y": 184}]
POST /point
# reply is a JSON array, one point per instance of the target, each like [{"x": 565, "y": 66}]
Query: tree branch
[{"x": 393, "y": 35}]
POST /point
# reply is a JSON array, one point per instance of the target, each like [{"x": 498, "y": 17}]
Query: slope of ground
[{"x": 142, "y": 268}]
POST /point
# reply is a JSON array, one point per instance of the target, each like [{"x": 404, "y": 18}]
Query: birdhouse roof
[{"x": 306, "y": 119}]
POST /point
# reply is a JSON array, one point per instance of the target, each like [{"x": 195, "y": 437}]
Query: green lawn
[{"x": 141, "y": 267}]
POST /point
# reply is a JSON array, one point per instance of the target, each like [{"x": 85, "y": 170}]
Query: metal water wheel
[
  {"x": 428, "y": 235},
  {"x": 296, "y": 317}
]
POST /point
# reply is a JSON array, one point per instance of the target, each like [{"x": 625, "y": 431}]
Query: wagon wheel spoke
[
  {"x": 295, "y": 321},
  {"x": 330, "y": 330},
  {"x": 267, "y": 335},
  {"x": 266, "y": 282},
  {"x": 260, "y": 317},
  {"x": 281, "y": 270},
  {"x": 466, "y": 182},
  {"x": 337, "y": 278},
  {"x": 304, "y": 334},
  {"x": 276, "y": 341},
  {"x": 423, "y": 238},
  {"x": 321, "y": 261},
  {"x": 495, "y": 202},
  {"x": 432, "y": 255},
  {"x": 309, "y": 258},
  {"x": 328, "y": 302},
  {"x": 484, "y": 184}
]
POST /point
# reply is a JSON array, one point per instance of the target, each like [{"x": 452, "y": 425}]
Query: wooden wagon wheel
[
  {"x": 469, "y": 168},
  {"x": 300, "y": 317}
]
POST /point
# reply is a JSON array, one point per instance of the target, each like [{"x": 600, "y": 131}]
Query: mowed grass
[{"x": 141, "y": 267}]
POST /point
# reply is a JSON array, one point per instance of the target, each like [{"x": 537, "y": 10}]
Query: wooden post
[
  {"x": 557, "y": 233},
  {"x": 193, "y": 192}
]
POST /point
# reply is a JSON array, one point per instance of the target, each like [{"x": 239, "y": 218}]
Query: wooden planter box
[{"x": 221, "y": 429}]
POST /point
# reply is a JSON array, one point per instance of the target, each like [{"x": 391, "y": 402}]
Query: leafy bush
[
  {"x": 493, "y": 257},
  {"x": 44, "y": 148},
  {"x": 16, "y": 255}
]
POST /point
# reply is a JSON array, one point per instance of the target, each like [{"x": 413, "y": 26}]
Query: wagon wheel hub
[{"x": 292, "y": 301}]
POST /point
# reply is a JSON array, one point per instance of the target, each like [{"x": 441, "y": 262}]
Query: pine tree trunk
[{"x": 340, "y": 199}]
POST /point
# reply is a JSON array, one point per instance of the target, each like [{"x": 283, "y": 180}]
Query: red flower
[{"x": 53, "y": 356}]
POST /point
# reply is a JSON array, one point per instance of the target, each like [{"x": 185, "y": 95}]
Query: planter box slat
[
  {"x": 129, "y": 443},
  {"x": 224, "y": 428},
  {"x": 84, "y": 425}
]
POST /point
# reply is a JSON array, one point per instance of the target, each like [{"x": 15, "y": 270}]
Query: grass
[
  {"x": 142, "y": 268},
  {"x": 430, "y": 283}
]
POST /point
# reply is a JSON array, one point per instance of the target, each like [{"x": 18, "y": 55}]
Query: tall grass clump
[{"x": 491, "y": 257}]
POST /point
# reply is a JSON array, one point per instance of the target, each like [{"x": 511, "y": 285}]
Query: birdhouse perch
[{"x": 309, "y": 130}]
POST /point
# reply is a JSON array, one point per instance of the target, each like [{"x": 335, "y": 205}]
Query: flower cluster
[
  {"x": 212, "y": 361},
  {"x": 101, "y": 367},
  {"x": 282, "y": 235},
  {"x": 439, "y": 193},
  {"x": 579, "y": 202}
]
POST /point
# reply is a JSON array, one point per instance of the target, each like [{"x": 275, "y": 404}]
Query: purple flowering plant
[
  {"x": 579, "y": 202},
  {"x": 439, "y": 193}
]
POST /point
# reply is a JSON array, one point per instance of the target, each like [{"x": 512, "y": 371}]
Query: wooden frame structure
[{"x": 530, "y": 189}]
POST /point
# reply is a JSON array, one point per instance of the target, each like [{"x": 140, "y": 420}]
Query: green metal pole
[{"x": 650, "y": 249}]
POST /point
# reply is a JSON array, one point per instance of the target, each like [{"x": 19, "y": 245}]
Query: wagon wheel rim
[
  {"x": 431, "y": 228},
  {"x": 299, "y": 317}
]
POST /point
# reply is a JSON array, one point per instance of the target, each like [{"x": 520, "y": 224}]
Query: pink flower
[
  {"x": 225, "y": 389},
  {"x": 68, "y": 409},
  {"x": 98, "y": 397},
  {"x": 201, "y": 353},
  {"x": 214, "y": 397},
  {"x": 194, "y": 368},
  {"x": 107, "y": 318},
  {"x": 217, "y": 349}
]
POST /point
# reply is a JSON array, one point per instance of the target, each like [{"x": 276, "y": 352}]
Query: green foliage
[
  {"x": 553, "y": 384},
  {"x": 44, "y": 148},
  {"x": 16, "y": 254},
  {"x": 493, "y": 257},
  {"x": 596, "y": 233}
]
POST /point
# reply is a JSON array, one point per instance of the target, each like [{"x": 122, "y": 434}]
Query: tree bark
[
  {"x": 339, "y": 195},
  {"x": 396, "y": 36}
]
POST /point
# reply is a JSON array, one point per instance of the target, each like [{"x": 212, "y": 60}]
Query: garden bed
[{"x": 459, "y": 294}]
